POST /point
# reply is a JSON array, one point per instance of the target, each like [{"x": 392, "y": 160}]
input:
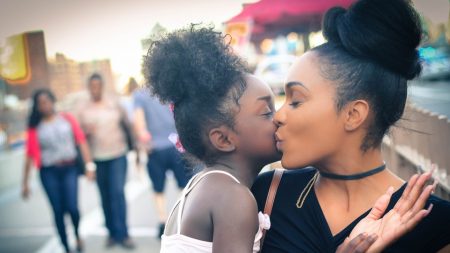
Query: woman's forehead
[
  {"x": 305, "y": 70},
  {"x": 43, "y": 96}
]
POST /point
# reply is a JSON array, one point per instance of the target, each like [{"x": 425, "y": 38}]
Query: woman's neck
[
  {"x": 350, "y": 163},
  {"x": 97, "y": 101},
  {"x": 342, "y": 201},
  {"x": 49, "y": 117}
]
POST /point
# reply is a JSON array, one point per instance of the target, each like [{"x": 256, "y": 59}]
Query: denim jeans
[
  {"x": 61, "y": 186},
  {"x": 159, "y": 161},
  {"x": 111, "y": 175}
]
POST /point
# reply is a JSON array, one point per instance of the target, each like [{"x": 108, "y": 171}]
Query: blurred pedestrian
[
  {"x": 51, "y": 145},
  {"x": 127, "y": 104},
  {"x": 108, "y": 133},
  {"x": 155, "y": 128},
  {"x": 127, "y": 100}
]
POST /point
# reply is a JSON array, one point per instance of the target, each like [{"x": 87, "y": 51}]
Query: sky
[{"x": 98, "y": 29}]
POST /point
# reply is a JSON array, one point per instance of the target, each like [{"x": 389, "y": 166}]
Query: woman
[
  {"x": 106, "y": 126},
  {"x": 224, "y": 119},
  {"x": 51, "y": 144},
  {"x": 341, "y": 98}
]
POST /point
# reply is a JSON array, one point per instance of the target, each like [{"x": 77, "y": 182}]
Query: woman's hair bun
[
  {"x": 387, "y": 32},
  {"x": 330, "y": 24}
]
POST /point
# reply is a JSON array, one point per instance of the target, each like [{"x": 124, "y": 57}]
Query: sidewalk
[{"x": 27, "y": 226}]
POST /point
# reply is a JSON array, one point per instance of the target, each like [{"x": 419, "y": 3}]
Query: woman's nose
[{"x": 278, "y": 117}]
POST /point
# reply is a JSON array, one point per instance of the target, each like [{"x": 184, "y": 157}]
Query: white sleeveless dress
[{"x": 178, "y": 243}]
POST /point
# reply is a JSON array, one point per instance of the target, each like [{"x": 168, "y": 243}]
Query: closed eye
[
  {"x": 295, "y": 104},
  {"x": 268, "y": 114}
]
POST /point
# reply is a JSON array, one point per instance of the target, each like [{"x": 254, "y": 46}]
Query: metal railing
[{"x": 422, "y": 138}]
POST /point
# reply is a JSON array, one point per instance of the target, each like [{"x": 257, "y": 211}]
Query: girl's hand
[
  {"x": 25, "y": 191},
  {"x": 90, "y": 175},
  {"x": 359, "y": 244}
]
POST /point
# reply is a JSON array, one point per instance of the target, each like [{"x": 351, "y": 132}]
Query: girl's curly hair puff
[{"x": 196, "y": 70}]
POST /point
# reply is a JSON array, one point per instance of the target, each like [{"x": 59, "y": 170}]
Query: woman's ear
[
  {"x": 356, "y": 113},
  {"x": 220, "y": 139}
]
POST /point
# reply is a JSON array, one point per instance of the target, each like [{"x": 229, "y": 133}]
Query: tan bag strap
[{"x": 276, "y": 179}]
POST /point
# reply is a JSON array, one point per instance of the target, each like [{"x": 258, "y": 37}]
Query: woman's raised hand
[{"x": 406, "y": 214}]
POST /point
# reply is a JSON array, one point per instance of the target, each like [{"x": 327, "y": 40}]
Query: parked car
[
  {"x": 436, "y": 63},
  {"x": 273, "y": 70}
]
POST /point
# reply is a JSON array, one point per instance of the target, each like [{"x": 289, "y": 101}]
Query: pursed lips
[{"x": 279, "y": 141}]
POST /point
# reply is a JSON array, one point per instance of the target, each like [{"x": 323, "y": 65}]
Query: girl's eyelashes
[
  {"x": 268, "y": 114},
  {"x": 295, "y": 104}
]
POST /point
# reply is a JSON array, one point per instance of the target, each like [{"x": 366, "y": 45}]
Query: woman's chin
[{"x": 291, "y": 165}]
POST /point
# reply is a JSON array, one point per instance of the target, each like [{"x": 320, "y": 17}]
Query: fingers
[
  {"x": 421, "y": 201},
  {"x": 359, "y": 244},
  {"x": 25, "y": 193},
  {"x": 90, "y": 175},
  {"x": 350, "y": 245},
  {"x": 410, "y": 184},
  {"x": 412, "y": 222},
  {"x": 365, "y": 244},
  {"x": 412, "y": 181},
  {"x": 380, "y": 205},
  {"x": 410, "y": 197}
]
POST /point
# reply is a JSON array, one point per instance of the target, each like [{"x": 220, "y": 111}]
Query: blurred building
[
  {"x": 69, "y": 76},
  {"x": 65, "y": 75},
  {"x": 102, "y": 67},
  {"x": 23, "y": 68},
  {"x": 23, "y": 64}
]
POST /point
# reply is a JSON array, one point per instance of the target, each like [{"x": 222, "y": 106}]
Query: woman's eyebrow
[{"x": 295, "y": 83}]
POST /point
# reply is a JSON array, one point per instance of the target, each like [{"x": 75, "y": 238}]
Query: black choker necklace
[{"x": 354, "y": 176}]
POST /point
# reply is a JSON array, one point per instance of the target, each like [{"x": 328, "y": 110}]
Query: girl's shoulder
[
  {"x": 227, "y": 201},
  {"x": 220, "y": 186}
]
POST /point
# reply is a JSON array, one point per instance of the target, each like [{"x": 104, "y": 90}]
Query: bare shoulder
[
  {"x": 224, "y": 188},
  {"x": 226, "y": 196},
  {"x": 234, "y": 216}
]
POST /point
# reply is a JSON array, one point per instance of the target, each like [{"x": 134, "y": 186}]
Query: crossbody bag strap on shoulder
[{"x": 276, "y": 179}]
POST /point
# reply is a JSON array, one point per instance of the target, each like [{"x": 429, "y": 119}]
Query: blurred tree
[{"x": 157, "y": 31}]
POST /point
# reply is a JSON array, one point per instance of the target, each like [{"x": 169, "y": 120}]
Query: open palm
[{"x": 405, "y": 215}]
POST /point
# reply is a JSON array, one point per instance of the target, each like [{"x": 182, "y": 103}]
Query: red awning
[{"x": 270, "y": 16}]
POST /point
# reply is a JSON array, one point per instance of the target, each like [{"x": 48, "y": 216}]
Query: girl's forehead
[{"x": 257, "y": 87}]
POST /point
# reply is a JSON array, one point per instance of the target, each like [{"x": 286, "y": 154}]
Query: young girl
[{"x": 224, "y": 119}]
